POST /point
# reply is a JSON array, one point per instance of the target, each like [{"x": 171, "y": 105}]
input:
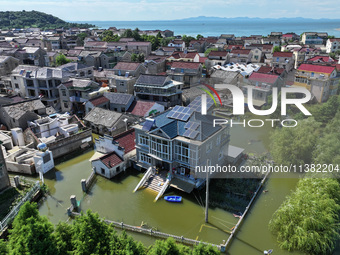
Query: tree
[
  {"x": 61, "y": 60},
  {"x": 199, "y": 36},
  {"x": 276, "y": 49},
  {"x": 90, "y": 235},
  {"x": 127, "y": 33},
  {"x": 82, "y": 37},
  {"x": 3, "y": 247},
  {"x": 206, "y": 53},
  {"x": 31, "y": 233},
  {"x": 187, "y": 39},
  {"x": 63, "y": 238},
  {"x": 326, "y": 111},
  {"x": 295, "y": 145},
  {"x": 202, "y": 249},
  {"x": 108, "y": 36},
  {"x": 136, "y": 35},
  {"x": 167, "y": 247},
  {"x": 308, "y": 220}
]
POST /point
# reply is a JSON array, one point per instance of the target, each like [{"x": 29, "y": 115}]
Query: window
[
  {"x": 63, "y": 92},
  {"x": 144, "y": 158},
  {"x": 220, "y": 155},
  {"x": 209, "y": 147},
  {"x": 16, "y": 85},
  {"x": 102, "y": 170},
  {"x": 66, "y": 105},
  {"x": 82, "y": 74},
  {"x": 182, "y": 152},
  {"x": 143, "y": 140},
  {"x": 123, "y": 109},
  {"x": 117, "y": 169},
  {"x": 14, "y": 77},
  {"x": 89, "y": 72},
  {"x": 218, "y": 140},
  {"x": 122, "y": 83},
  {"x": 160, "y": 148}
]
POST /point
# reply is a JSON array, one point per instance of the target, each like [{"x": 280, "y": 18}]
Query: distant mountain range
[{"x": 205, "y": 18}]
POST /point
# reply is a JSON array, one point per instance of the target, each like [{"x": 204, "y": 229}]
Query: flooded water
[{"x": 114, "y": 200}]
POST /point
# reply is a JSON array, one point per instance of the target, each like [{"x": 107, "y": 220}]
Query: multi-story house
[
  {"x": 32, "y": 82},
  {"x": 181, "y": 140},
  {"x": 155, "y": 64},
  {"x": 160, "y": 89},
  {"x": 314, "y": 38},
  {"x": 74, "y": 93},
  {"x": 283, "y": 60},
  {"x": 177, "y": 44},
  {"x": 53, "y": 43},
  {"x": 304, "y": 53},
  {"x": 321, "y": 80},
  {"x": 129, "y": 69},
  {"x": 139, "y": 47},
  {"x": 333, "y": 45},
  {"x": 7, "y": 64},
  {"x": 188, "y": 73},
  {"x": 240, "y": 56}
]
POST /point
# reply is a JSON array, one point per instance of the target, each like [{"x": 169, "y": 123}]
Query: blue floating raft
[{"x": 175, "y": 199}]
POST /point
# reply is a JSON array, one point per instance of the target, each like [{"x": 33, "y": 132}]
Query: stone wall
[{"x": 69, "y": 144}]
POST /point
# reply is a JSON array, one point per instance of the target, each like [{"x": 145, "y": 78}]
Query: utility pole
[{"x": 207, "y": 197}]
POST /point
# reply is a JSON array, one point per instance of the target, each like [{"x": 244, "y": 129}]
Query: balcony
[{"x": 78, "y": 99}]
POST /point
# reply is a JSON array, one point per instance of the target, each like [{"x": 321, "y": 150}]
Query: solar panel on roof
[
  {"x": 192, "y": 134},
  {"x": 148, "y": 125},
  {"x": 22, "y": 71},
  {"x": 196, "y": 105},
  {"x": 180, "y": 113},
  {"x": 191, "y": 125}
]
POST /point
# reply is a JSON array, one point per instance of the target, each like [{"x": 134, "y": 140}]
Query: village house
[
  {"x": 74, "y": 93},
  {"x": 102, "y": 121},
  {"x": 7, "y": 64},
  {"x": 155, "y": 64},
  {"x": 240, "y": 56},
  {"x": 314, "y": 38},
  {"x": 145, "y": 108},
  {"x": 198, "y": 45},
  {"x": 100, "y": 102},
  {"x": 160, "y": 89},
  {"x": 53, "y": 43},
  {"x": 32, "y": 56},
  {"x": 188, "y": 73},
  {"x": 273, "y": 40},
  {"x": 217, "y": 57},
  {"x": 119, "y": 102},
  {"x": 283, "y": 60},
  {"x": 113, "y": 153},
  {"x": 179, "y": 45},
  {"x": 129, "y": 69},
  {"x": 139, "y": 47},
  {"x": 225, "y": 77},
  {"x": 321, "y": 80},
  {"x": 289, "y": 37},
  {"x": 17, "y": 114},
  {"x": 262, "y": 85},
  {"x": 180, "y": 139},
  {"x": 333, "y": 45},
  {"x": 304, "y": 53}
]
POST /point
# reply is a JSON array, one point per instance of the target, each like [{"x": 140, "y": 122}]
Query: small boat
[
  {"x": 176, "y": 199},
  {"x": 268, "y": 252}
]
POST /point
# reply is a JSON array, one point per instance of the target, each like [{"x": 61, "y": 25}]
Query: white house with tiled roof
[{"x": 333, "y": 45}]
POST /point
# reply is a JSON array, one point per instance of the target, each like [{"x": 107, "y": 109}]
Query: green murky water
[{"x": 113, "y": 199}]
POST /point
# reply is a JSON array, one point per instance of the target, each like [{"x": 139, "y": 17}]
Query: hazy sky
[{"x": 80, "y": 10}]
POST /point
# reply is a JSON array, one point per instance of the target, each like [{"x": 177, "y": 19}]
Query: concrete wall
[
  {"x": 72, "y": 143},
  {"x": 20, "y": 168}
]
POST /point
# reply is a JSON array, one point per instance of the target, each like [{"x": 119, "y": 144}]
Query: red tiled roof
[
  {"x": 240, "y": 51},
  {"x": 261, "y": 77},
  {"x": 139, "y": 43},
  {"x": 130, "y": 66},
  {"x": 99, "y": 100},
  {"x": 111, "y": 159},
  {"x": 267, "y": 46},
  {"x": 287, "y": 35},
  {"x": 231, "y": 47},
  {"x": 316, "y": 68},
  {"x": 185, "y": 65},
  {"x": 269, "y": 69},
  {"x": 321, "y": 58},
  {"x": 141, "y": 108},
  {"x": 202, "y": 60},
  {"x": 283, "y": 54},
  {"x": 335, "y": 39},
  {"x": 126, "y": 140},
  {"x": 218, "y": 53}
]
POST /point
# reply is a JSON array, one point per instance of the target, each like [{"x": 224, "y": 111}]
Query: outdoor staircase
[
  {"x": 146, "y": 176},
  {"x": 163, "y": 189}
]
